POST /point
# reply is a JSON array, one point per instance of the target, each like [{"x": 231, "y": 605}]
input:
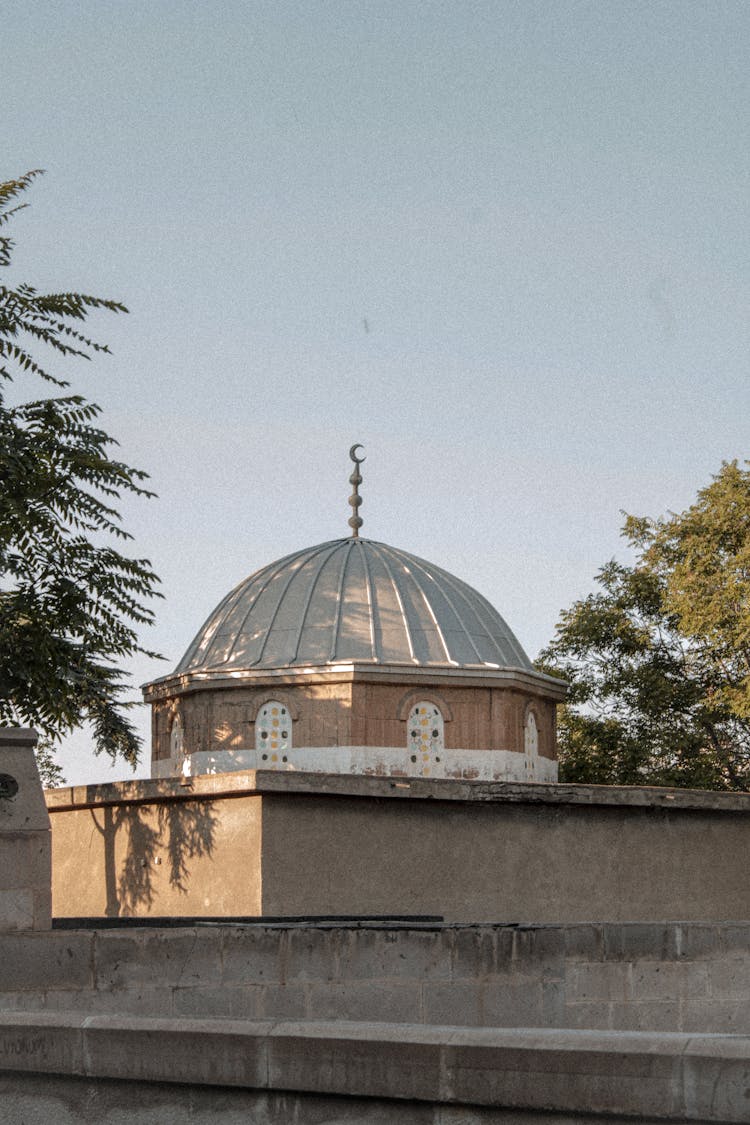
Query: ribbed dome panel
[{"x": 353, "y": 600}]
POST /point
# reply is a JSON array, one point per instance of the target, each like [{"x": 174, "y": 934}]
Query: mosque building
[{"x": 353, "y": 657}]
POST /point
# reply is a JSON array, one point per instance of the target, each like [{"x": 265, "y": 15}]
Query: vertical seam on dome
[
  {"x": 310, "y": 555},
  {"x": 308, "y": 599},
  {"x": 381, "y": 550},
  {"x": 194, "y": 645},
  {"x": 339, "y": 592},
  {"x": 237, "y": 593},
  {"x": 270, "y": 572},
  {"x": 370, "y": 600},
  {"x": 273, "y": 569},
  {"x": 508, "y": 635},
  {"x": 419, "y": 566},
  {"x": 448, "y": 578}
]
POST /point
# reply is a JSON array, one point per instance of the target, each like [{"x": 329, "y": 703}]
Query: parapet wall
[
  {"x": 71, "y": 1068},
  {"x": 377, "y": 1024},
  {"x": 623, "y": 977},
  {"x": 277, "y": 844},
  {"x": 25, "y": 880}
]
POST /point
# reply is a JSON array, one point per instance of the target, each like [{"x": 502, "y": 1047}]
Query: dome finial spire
[{"x": 355, "y": 520}]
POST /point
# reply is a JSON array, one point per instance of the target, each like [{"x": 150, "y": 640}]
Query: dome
[{"x": 353, "y": 601}]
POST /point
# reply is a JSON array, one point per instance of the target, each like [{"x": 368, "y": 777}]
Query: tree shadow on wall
[{"x": 174, "y": 832}]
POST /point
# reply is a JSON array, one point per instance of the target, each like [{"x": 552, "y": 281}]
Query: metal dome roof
[{"x": 353, "y": 600}]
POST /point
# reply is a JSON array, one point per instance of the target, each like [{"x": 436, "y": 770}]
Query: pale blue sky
[{"x": 539, "y": 209}]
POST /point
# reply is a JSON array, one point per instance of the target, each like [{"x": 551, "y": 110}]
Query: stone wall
[
  {"x": 688, "y": 977},
  {"x": 368, "y": 761},
  {"x": 376, "y": 1024},
  {"x": 225, "y": 719},
  {"x": 477, "y": 717},
  {"x": 103, "y": 1070}
]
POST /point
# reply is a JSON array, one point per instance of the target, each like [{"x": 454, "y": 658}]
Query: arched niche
[
  {"x": 531, "y": 743},
  {"x": 176, "y": 738},
  {"x": 425, "y": 738},
  {"x": 273, "y": 730}
]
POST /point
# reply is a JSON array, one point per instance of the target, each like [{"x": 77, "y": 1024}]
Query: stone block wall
[
  {"x": 690, "y": 978},
  {"x": 377, "y": 1023},
  {"x": 68, "y": 1068}
]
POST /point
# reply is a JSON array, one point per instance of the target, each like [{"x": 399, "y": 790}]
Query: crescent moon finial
[{"x": 355, "y": 520}]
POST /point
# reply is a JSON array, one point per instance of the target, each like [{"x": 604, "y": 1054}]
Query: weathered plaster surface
[
  {"x": 295, "y": 843},
  {"x": 25, "y": 901},
  {"x": 383, "y": 761}
]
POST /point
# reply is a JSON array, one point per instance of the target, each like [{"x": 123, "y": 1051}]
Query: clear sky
[{"x": 504, "y": 245}]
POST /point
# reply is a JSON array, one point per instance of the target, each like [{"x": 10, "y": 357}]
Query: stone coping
[
  {"x": 669, "y": 1076},
  {"x": 17, "y": 736},
  {"x": 246, "y": 783}
]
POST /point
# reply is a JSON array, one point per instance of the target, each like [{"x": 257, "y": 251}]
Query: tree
[
  {"x": 70, "y": 603},
  {"x": 659, "y": 658},
  {"x": 50, "y": 771}
]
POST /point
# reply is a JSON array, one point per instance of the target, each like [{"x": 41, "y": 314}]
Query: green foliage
[
  {"x": 70, "y": 603},
  {"x": 49, "y": 770},
  {"x": 659, "y": 658}
]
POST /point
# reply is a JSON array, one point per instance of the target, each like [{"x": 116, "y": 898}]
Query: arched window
[
  {"x": 531, "y": 745},
  {"x": 175, "y": 738},
  {"x": 273, "y": 731},
  {"x": 425, "y": 732}
]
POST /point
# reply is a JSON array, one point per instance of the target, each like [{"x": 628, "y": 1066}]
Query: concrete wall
[
  {"x": 68, "y": 1068},
  {"x": 25, "y": 880},
  {"x": 132, "y": 848},
  {"x": 305, "y": 844},
  {"x": 687, "y": 978},
  {"x": 491, "y": 860}
]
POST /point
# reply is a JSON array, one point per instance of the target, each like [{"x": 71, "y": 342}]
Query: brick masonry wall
[
  {"x": 225, "y": 720},
  {"x": 359, "y": 714},
  {"x": 689, "y": 977}
]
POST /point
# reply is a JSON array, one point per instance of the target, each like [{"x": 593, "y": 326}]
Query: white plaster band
[{"x": 386, "y": 761}]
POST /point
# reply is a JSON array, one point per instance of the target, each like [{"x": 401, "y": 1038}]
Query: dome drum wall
[{"x": 358, "y": 708}]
